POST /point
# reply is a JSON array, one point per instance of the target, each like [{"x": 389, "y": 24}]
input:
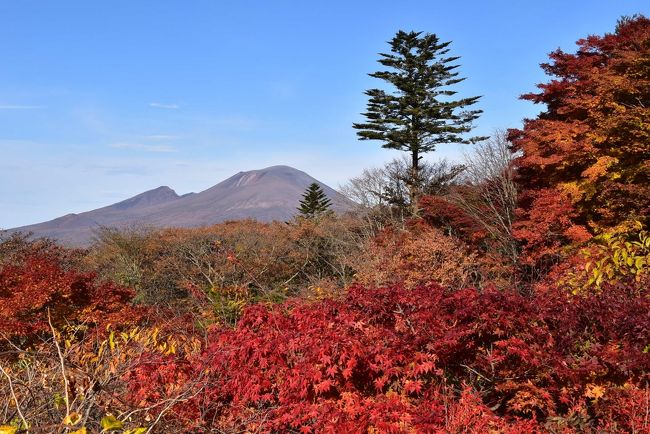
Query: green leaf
[{"x": 59, "y": 401}]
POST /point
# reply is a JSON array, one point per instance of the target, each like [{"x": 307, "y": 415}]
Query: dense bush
[
  {"x": 397, "y": 360},
  {"x": 229, "y": 264},
  {"x": 419, "y": 256},
  {"x": 37, "y": 288}
]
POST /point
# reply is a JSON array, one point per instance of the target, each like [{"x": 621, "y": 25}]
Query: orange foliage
[
  {"x": 584, "y": 168},
  {"x": 414, "y": 257}
]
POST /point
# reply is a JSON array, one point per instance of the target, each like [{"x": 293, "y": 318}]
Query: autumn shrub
[
  {"x": 75, "y": 380},
  {"x": 607, "y": 258},
  {"x": 36, "y": 289},
  {"x": 415, "y": 257},
  {"x": 492, "y": 265},
  {"x": 327, "y": 244},
  {"x": 226, "y": 266},
  {"x": 137, "y": 258},
  {"x": 162, "y": 264},
  {"x": 50, "y": 316},
  {"x": 376, "y": 359},
  {"x": 17, "y": 247},
  {"x": 396, "y": 360}
]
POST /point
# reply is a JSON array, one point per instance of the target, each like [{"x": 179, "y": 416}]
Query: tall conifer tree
[{"x": 420, "y": 112}]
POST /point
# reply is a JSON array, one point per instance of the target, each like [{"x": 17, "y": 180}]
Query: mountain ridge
[{"x": 268, "y": 194}]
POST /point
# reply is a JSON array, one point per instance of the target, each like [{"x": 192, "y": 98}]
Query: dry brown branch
[
  {"x": 14, "y": 397},
  {"x": 62, "y": 362}
]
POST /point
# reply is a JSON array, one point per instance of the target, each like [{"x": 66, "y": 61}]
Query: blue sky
[{"x": 101, "y": 100}]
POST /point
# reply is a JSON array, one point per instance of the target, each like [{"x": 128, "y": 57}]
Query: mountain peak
[
  {"x": 265, "y": 175},
  {"x": 155, "y": 196},
  {"x": 268, "y": 194},
  {"x": 279, "y": 168},
  {"x": 273, "y": 170}
]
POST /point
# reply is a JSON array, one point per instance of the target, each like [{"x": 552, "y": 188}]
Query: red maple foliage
[
  {"x": 36, "y": 286},
  {"x": 394, "y": 360},
  {"x": 439, "y": 212}
]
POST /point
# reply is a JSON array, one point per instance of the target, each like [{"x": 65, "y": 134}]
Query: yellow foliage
[
  {"x": 135, "y": 431},
  {"x": 72, "y": 419},
  {"x": 572, "y": 190},
  {"x": 614, "y": 256},
  {"x": 110, "y": 422},
  {"x": 147, "y": 338}
]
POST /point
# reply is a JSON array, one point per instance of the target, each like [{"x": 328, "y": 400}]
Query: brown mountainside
[{"x": 268, "y": 194}]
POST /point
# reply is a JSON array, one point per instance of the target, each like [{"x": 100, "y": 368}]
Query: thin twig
[
  {"x": 65, "y": 379},
  {"x": 477, "y": 373},
  {"x": 13, "y": 395},
  {"x": 171, "y": 403}
]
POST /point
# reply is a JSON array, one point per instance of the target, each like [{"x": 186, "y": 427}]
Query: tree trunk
[{"x": 414, "y": 184}]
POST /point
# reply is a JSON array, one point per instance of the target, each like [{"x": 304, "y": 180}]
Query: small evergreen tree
[
  {"x": 314, "y": 202},
  {"x": 421, "y": 112}
]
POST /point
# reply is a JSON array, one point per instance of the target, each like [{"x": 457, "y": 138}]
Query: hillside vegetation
[{"x": 509, "y": 294}]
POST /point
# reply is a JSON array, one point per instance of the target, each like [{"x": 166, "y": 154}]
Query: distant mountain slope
[{"x": 265, "y": 195}]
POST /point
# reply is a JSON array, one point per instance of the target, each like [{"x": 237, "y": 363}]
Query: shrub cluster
[
  {"x": 400, "y": 360},
  {"x": 497, "y": 311}
]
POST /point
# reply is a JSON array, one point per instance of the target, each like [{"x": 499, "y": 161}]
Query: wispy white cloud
[
  {"x": 164, "y": 106},
  {"x": 161, "y": 137},
  {"x": 143, "y": 147},
  {"x": 20, "y": 107}
]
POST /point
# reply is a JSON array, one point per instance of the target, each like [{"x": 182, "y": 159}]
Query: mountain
[{"x": 265, "y": 195}]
